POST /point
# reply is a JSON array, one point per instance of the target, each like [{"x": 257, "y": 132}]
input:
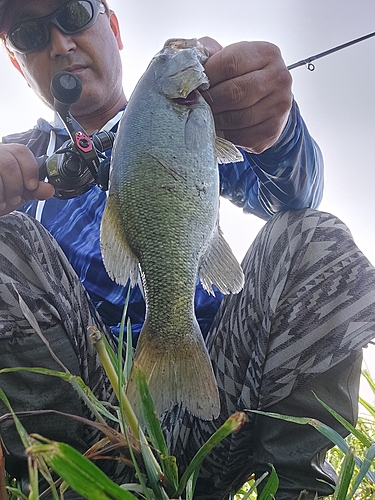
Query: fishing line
[{"x": 308, "y": 62}]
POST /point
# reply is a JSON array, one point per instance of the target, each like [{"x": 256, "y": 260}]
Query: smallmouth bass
[{"x": 161, "y": 222}]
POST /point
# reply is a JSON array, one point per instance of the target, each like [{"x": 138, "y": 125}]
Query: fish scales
[{"x": 161, "y": 219}]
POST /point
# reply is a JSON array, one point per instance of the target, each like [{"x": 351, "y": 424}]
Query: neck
[{"x": 97, "y": 120}]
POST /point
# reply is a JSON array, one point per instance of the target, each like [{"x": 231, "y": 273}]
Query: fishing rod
[{"x": 308, "y": 62}]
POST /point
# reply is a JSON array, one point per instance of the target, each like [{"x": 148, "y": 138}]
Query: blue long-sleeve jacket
[{"x": 287, "y": 176}]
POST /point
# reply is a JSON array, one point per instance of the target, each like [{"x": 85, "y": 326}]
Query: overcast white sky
[{"x": 337, "y": 100}]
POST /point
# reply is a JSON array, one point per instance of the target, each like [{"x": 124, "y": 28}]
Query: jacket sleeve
[{"x": 287, "y": 176}]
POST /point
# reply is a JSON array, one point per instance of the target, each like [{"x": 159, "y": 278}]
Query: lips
[{"x": 75, "y": 69}]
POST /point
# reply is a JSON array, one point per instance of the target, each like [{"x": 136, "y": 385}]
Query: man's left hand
[{"x": 250, "y": 92}]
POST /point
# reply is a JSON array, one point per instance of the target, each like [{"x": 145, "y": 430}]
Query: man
[{"x": 298, "y": 325}]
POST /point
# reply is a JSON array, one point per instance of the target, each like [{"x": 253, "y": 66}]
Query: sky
[{"x": 336, "y": 100}]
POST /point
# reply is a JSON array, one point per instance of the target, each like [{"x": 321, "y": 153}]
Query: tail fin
[{"x": 179, "y": 372}]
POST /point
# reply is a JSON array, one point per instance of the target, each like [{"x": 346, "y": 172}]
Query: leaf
[
  {"x": 369, "y": 379},
  {"x": 331, "y": 434},
  {"x": 363, "y": 471},
  {"x": 368, "y": 407},
  {"x": 345, "y": 476},
  {"x": 268, "y": 492},
  {"x": 232, "y": 424},
  {"x": 153, "y": 474},
  {"x": 254, "y": 486},
  {"x": 129, "y": 352},
  {"x": 84, "y": 392},
  {"x": 155, "y": 432},
  {"x": 34, "y": 324},
  {"x": 20, "y": 428},
  {"x": 149, "y": 414},
  {"x": 81, "y": 474},
  {"x": 359, "y": 435}
]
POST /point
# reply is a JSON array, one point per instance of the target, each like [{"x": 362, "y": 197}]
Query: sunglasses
[{"x": 34, "y": 34}]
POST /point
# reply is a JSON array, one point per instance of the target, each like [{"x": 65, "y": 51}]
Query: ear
[
  {"x": 16, "y": 64},
  {"x": 113, "y": 21},
  {"x": 14, "y": 61}
]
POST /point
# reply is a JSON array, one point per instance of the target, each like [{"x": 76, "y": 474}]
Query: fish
[{"x": 160, "y": 225}]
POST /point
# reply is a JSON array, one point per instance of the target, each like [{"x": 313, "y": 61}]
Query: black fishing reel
[{"x": 79, "y": 163}]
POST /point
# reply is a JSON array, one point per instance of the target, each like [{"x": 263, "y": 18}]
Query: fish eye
[{"x": 163, "y": 57}]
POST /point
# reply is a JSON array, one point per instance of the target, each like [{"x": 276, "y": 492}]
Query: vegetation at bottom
[
  {"x": 353, "y": 458},
  {"x": 144, "y": 448}
]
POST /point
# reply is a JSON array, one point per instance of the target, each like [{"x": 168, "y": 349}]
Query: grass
[
  {"x": 353, "y": 461},
  {"x": 156, "y": 470}
]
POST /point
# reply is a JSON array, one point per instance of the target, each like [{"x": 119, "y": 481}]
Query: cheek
[{"x": 37, "y": 76}]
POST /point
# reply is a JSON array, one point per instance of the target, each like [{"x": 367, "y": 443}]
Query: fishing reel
[{"x": 80, "y": 163}]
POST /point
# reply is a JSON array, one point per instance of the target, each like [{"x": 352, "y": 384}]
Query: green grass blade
[
  {"x": 155, "y": 432},
  {"x": 269, "y": 490},
  {"x": 110, "y": 368},
  {"x": 129, "y": 352},
  {"x": 345, "y": 477},
  {"x": 149, "y": 414},
  {"x": 33, "y": 480},
  {"x": 368, "y": 406},
  {"x": 365, "y": 467},
  {"x": 123, "y": 380},
  {"x": 146, "y": 491},
  {"x": 359, "y": 435},
  {"x": 17, "y": 493},
  {"x": 153, "y": 475},
  {"x": 20, "y": 428},
  {"x": 369, "y": 379},
  {"x": 77, "y": 383},
  {"x": 255, "y": 485},
  {"x": 331, "y": 434},
  {"x": 81, "y": 474},
  {"x": 232, "y": 424}
]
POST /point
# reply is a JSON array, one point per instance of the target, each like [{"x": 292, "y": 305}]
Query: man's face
[{"x": 92, "y": 54}]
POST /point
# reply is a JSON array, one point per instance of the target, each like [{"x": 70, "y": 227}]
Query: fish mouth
[{"x": 189, "y": 100}]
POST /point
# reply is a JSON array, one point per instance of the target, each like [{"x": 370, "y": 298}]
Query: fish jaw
[{"x": 180, "y": 68}]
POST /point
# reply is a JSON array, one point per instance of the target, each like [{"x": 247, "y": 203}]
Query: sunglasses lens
[
  {"x": 74, "y": 16},
  {"x": 29, "y": 36},
  {"x": 70, "y": 18}
]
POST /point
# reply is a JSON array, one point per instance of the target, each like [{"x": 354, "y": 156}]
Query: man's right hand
[{"x": 19, "y": 178}]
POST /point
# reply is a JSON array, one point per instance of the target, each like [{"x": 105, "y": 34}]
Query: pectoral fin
[
  {"x": 227, "y": 152},
  {"x": 220, "y": 267},
  {"x": 120, "y": 262}
]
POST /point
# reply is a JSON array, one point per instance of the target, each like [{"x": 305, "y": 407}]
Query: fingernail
[{"x": 2, "y": 206}]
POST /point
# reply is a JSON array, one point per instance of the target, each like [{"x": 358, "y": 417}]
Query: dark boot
[{"x": 298, "y": 451}]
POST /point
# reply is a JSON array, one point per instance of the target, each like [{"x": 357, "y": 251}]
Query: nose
[{"x": 60, "y": 44}]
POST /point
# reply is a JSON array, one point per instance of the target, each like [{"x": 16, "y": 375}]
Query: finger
[
  {"x": 11, "y": 179},
  {"x": 271, "y": 107},
  {"x": 258, "y": 138},
  {"x": 17, "y": 160},
  {"x": 246, "y": 90},
  {"x": 210, "y": 44},
  {"x": 239, "y": 59},
  {"x": 43, "y": 192}
]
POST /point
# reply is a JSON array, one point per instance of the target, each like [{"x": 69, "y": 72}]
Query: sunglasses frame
[{"x": 46, "y": 21}]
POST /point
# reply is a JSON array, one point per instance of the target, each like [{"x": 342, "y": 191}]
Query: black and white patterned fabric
[{"x": 307, "y": 304}]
